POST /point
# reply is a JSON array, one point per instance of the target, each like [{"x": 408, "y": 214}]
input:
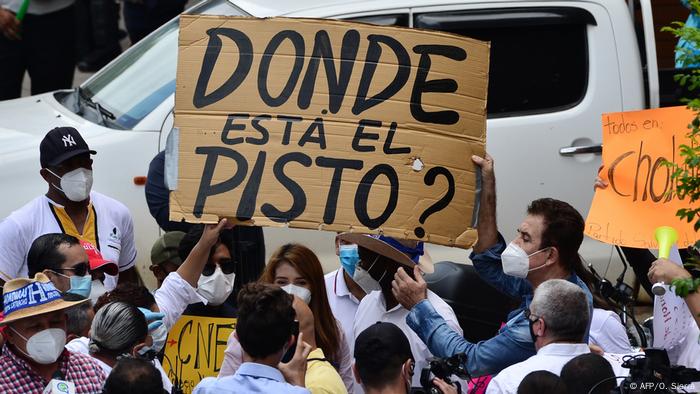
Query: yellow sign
[
  {"x": 329, "y": 125},
  {"x": 195, "y": 349},
  {"x": 641, "y": 195}
]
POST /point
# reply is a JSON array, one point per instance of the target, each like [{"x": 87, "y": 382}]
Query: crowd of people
[{"x": 75, "y": 311}]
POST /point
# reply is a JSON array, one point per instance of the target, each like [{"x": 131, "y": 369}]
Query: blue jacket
[{"x": 513, "y": 342}]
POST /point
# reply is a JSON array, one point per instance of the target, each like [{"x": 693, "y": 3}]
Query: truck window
[
  {"x": 384, "y": 20},
  {"x": 539, "y": 56}
]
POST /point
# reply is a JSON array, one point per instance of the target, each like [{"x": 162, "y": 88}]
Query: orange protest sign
[{"x": 641, "y": 195}]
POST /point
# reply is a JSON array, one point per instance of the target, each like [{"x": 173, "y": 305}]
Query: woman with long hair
[{"x": 296, "y": 269}]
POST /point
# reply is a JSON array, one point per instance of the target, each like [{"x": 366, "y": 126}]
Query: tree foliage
[{"x": 686, "y": 174}]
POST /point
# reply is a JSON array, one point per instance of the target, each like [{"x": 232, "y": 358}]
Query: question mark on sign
[{"x": 439, "y": 205}]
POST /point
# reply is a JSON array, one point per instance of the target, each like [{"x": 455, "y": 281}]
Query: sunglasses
[
  {"x": 227, "y": 267},
  {"x": 80, "y": 269}
]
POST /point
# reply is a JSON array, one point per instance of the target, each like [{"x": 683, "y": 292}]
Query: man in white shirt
[
  {"x": 558, "y": 318},
  {"x": 344, "y": 295},
  {"x": 69, "y": 206},
  {"x": 380, "y": 258}
]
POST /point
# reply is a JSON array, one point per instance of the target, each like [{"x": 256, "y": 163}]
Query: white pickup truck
[{"x": 556, "y": 66}]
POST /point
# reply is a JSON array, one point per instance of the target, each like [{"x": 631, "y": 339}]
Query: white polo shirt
[
  {"x": 114, "y": 232},
  {"x": 372, "y": 309},
  {"x": 343, "y": 304},
  {"x": 550, "y": 358}
]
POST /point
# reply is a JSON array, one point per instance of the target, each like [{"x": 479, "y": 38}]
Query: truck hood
[{"x": 25, "y": 121}]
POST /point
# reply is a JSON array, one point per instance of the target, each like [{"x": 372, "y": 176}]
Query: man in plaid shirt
[{"x": 34, "y": 354}]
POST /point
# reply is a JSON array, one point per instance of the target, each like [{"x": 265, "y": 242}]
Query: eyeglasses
[
  {"x": 527, "y": 314},
  {"x": 227, "y": 267},
  {"x": 80, "y": 269}
]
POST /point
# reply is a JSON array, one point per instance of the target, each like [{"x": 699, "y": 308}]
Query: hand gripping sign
[{"x": 330, "y": 125}]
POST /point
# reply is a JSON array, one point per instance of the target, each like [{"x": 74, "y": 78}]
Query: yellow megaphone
[{"x": 666, "y": 236}]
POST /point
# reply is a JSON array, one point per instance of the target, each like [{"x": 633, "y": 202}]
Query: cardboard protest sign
[
  {"x": 641, "y": 195},
  {"x": 322, "y": 124},
  {"x": 195, "y": 349}
]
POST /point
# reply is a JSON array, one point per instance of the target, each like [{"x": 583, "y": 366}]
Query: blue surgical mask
[
  {"x": 80, "y": 285},
  {"x": 349, "y": 257}
]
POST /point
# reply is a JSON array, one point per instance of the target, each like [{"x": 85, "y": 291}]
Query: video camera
[
  {"x": 442, "y": 368},
  {"x": 653, "y": 373}
]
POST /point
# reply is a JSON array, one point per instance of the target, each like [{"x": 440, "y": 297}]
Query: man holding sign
[
  {"x": 546, "y": 248},
  {"x": 329, "y": 125}
]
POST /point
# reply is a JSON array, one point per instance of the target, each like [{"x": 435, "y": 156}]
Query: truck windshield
[{"x": 144, "y": 76}]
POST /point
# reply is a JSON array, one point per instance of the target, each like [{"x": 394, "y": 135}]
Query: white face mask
[
  {"x": 76, "y": 184},
  {"x": 301, "y": 292},
  {"x": 216, "y": 287},
  {"x": 516, "y": 262},
  {"x": 159, "y": 336},
  {"x": 97, "y": 290},
  {"x": 45, "y": 346},
  {"x": 365, "y": 280}
]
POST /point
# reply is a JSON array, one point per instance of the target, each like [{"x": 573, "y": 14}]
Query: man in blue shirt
[
  {"x": 264, "y": 329},
  {"x": 546, "y": 248}
]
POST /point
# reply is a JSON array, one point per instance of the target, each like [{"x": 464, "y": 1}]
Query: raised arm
[
  {"x": 191, "y": 269},
  {"x": 486, "y": 226}
]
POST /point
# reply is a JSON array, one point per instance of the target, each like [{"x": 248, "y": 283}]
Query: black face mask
[{"x": 532, "y": 331}]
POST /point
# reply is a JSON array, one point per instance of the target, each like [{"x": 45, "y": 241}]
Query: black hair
[
  {"x": 564, "y": 228},
  {"x": 77, "y": 316},
  {"x": 380, "y": 351},
  {"x": 542, "y": 382},
  {"x": 133, "y": 376},
  {"x": 246, "y": 244},
  {"x": 129, "y": 293},
  {"x": 583, "y": 372},
  {"x": 194, "y": 234},
  {"x": 43, "y": 253},
  {"x": 265, "y": 319}
]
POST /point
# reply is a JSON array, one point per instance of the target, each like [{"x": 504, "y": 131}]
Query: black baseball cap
[
  {"x": 60, "y": 144},
  {"x": 381, "y": 345}
]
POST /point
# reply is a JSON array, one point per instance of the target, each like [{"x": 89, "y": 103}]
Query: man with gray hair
[
  {"x": 558, "y": 318},
  {"x": 118, "y": 330}
]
